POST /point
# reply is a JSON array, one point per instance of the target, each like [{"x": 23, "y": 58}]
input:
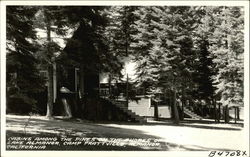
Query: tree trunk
[
  {"x": 67, "y": 108},
  {"x": 226, "y": 114},
  {"x": 182, "y": 106},
  {"x": 219, "y": 113},
  {"x": 235, "y": 114},
  {"x": 54, "y": 83},
  {"x": 110, "y": 90},
  {"x": 176, "y": 113},
  {"x": 171, "y": 105},
  {"x": 81, "y": 88},
  {"x": 81, "y": 82},
  {"x": 50, "y": 71},
  {"x": 202, "y": 111},
  {"x": 50, "y": 92},
  {"x": 238, "y": 113},
  {"x": 215, "y": 110},
  {"x": 127, "y": 99},
  {"x": 156, "y": 115}
]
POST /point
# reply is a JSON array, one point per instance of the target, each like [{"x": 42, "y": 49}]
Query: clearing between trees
[{"x": 76, "y": 134}]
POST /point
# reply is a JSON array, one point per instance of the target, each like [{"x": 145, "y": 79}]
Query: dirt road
[{"x": 164, "y": 136}]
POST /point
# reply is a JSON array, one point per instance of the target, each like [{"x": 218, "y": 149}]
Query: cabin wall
[{"x": 143, "y": 107}]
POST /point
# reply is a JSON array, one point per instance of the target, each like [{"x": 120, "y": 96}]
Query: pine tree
[
  {"x": 87, "y": 49},
  {"x": 119, "y": 34},
  {"x": 23, "y": 79},
  {"x": 89, "y": 43},
  {"x": 51, "y": 20},
  {"x": 144, "y": 47},
  {"x": 179, "y": 24},
  {"x": 204, "y": 66},
  {"x": 227, "y": 47},
  {"x": 164, "y": 49}
]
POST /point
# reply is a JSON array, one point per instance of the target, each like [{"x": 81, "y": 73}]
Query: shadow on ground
[
  {"x": 202, "y": 124},
  {"x": 72, "y": 128}
]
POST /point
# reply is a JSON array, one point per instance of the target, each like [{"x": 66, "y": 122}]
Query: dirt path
[{"x": 128, "y": 136}]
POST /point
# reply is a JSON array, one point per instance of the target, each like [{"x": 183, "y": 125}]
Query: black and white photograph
[{"x": 129, "y": 78}]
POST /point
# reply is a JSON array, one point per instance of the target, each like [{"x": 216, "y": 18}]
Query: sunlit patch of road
[{"x": 186, "y": 136}]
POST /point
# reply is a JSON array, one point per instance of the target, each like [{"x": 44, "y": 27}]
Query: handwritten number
[
  {"x": 220, "y": 153},
  {"x": 238, "y": 152},
  {"x": 232, "y": 154},
  {"x": 227, "y": 153},
  {"x": 212, "y": 153}
]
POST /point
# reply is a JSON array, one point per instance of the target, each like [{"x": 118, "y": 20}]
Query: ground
[{"x": 76, "y": 134}]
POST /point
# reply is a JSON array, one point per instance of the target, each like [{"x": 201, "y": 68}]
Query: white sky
[
  {"x": 60, "y": 40},
  {"x": 129, "y": 68}
]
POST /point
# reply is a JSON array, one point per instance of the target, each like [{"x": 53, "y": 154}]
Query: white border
[
  {"x": 3, "y": 74},
  {"x": 118, "y": 153},
  {"x": 127, "y": 2},
  {"x": 246, "y": 77}
]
